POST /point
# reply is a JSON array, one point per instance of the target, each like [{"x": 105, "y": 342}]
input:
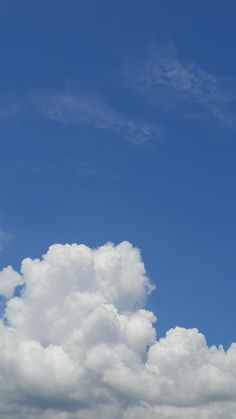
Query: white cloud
[
  {"x": 170, "y": 80},
  {"x": 9, "y": 280},
  {"x": 90, "y": 111},
  {"x": 78, "y": 342}
]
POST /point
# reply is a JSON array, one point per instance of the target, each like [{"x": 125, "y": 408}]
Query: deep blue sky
[{"x": 81, "y": 85}]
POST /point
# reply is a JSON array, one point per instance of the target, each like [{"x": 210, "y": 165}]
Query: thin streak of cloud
[
  {"x": 5, "y": 238},
  {"x": 10, "y": 110},
  {"x": 86, "y": 168},
  {"x": 71, "y": 109}
]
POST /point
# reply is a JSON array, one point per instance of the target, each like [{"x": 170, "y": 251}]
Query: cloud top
[{"x": 78, "y": 342}]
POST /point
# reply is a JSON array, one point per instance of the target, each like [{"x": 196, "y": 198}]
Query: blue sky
[{"x": 117, "y": 122}]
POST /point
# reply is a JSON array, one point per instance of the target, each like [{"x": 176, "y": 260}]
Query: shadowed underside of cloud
[
  {"x": 71, "y": 109},
  {"x": 78, "y": 343},
  {"x": 171, "y": 81}
]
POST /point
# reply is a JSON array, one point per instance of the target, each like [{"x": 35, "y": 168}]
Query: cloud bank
[{"x": 77, "y": 342}]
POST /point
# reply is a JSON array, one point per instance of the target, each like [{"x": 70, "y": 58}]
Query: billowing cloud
[
  {"x": 9, "y": 280},
  {"x": 79, "y": 343}
]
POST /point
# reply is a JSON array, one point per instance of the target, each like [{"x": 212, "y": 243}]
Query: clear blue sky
[{"x": 117, "y": 123}]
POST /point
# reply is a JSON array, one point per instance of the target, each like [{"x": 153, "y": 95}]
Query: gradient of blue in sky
[{"x": 117, "y": 122}]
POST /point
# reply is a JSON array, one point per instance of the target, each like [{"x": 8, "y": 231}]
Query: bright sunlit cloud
[{"x": 78, "y": 342}]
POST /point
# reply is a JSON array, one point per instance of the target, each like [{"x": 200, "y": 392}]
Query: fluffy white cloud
[
  {"x": 9, "y": 280},
  {"x": 78, "y": 343}
]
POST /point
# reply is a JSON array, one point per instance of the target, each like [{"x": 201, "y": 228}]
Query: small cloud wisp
[
  {"x": 72, "y": 109},
  {"x": 169, "y": 80}
]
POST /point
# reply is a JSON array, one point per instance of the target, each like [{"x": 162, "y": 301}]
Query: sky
[{"x": 117, "y": 125}]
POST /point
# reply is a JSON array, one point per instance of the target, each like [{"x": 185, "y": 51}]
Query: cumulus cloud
[
  {"x": 9, "y": 280},
  {"x": 79, "y": 343}
]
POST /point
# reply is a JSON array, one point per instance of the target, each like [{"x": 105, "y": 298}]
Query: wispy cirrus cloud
[
  {"x": 5, "y": 238},
  {"x": 10, "y": 110},
  {"x": 89, "y": 111},
  {"x": 170, "y": 80}
]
